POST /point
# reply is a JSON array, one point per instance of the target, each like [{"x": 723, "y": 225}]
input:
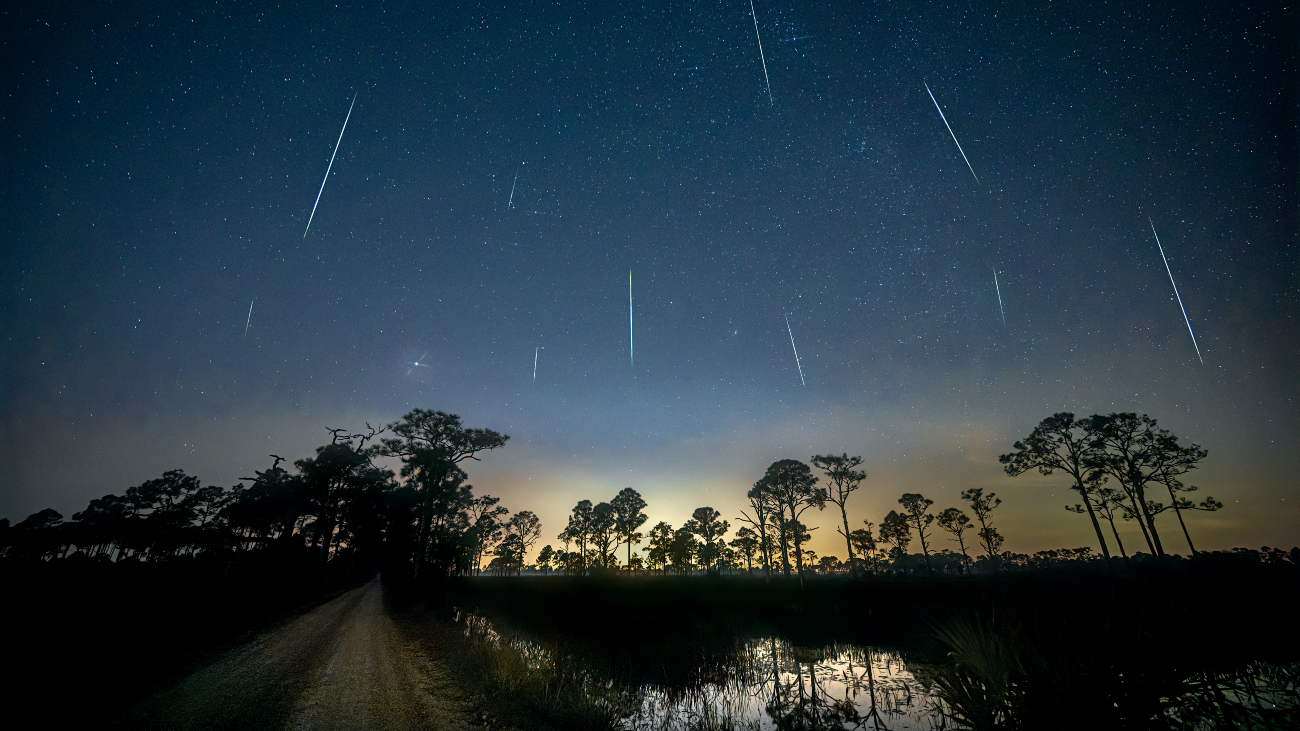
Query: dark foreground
[
  {"x": 342, "y": 665},
  {"x": 1159, "y": 647}
]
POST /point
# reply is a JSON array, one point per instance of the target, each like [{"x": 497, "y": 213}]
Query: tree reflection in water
[
  {"x": 990, "y": 680},
  {"x": 773, "y": 684}
]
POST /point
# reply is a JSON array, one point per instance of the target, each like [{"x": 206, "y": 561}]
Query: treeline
[
  {"x": 426, "y": 520},
  {"x": 337, "y": 505},
  {"x": 1119, "y": 464}
]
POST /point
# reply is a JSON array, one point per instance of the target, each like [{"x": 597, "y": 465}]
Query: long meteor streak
[
  {"x": 796, "y": 351},
  {"x": 631, "y": 352},
  {"x": 535, "y": 352},
  {"x": 954, "y": 136},
  {"x": 250, "y": 319},
  {"x": 331, "y": 166},
  {"x": 754, "y": 15},
  {"x": 999, "y": 289},
  {"x": 1180, "y": 298},
  {"x": 511, "y": 202}
]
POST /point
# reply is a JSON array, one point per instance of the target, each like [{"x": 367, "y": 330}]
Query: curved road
[{"x": 343, "y": 665}]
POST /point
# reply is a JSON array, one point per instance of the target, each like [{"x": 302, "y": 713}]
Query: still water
[
  {"x": 776, "y": 685},
  {"x": 770, "y": 683}
]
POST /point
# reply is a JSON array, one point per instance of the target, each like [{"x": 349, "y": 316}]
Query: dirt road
[{"x": 343, "y": 665}]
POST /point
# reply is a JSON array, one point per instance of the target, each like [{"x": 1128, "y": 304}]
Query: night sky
[{"x": 161, "y": 163}]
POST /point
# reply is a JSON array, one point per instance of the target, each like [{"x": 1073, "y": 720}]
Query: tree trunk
[
  {"x": 1093, "y": 517},
  {"x": 785, "y": 551},
  {"x": 853, "y": 569},
  {"x": 1150, "y": 519},
  {"x": 1122, "y": 552},
  {"x": 798, "y": 556},
  {"x": 763, "y": 548},
  {"x": 1179, "y": 513},
  {"x": 1140, "y": 521},
  {"x": 422, "y": 540}
]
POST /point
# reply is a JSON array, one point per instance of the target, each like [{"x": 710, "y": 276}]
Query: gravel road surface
[{"x": 343, "y": 665}]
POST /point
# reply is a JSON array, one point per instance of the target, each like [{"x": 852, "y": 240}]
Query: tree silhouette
[
  {"x": 895, "y": 531},
  {"x": 844, "y": 479},
  {"x": 101, "y": 526},
  {"x": 982, "y": 505},
  {"x": 1179, "y": 504},
  {"x": 628, "y": 517},
  {"x": 865, "y": 544},
  {"x": 485, "y": 516},
  {"x": 791, "y": 487},
  {"x": 522, "y": 530},
  {"x": 1060, "y": 443},
  {"x": 683, "y": 549},
  {"x": 1136, "y": 452},
  {"x": 604, "y": 533},
  {"x": 914, "y": 507},
  {"x": 273, "y": 505},
  {"x": 659, "y": 552},
  {"x": 332, "y": 478},
  {"x": 579, "y": 529},
  {"x": 1106, "y": 501},
  {"x": 746, "y": 544},
  {"x": 954, "y": 521},
  {"x": 38, "y": 535},
  {"x": 706, "y": 523},
  {"x": 430, "y": 445},
  {"x": 760, "y": 505},
  {"x": 544, "y": 558}
]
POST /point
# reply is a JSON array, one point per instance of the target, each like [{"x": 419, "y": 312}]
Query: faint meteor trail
[
  {"x": 631, "y": 352},
  {"x": 796, "y": 351},
  {"x": 999, "y": 289},
  {"x": 954, "y": 136},
  {"x": 754, "y": 15},
  {"x": 510, "y": 203},
  {"x": 331, "y": 165},
  {"x": 250, "y": 319},
  {"x": 535, "y": 352},
  {"x": 1180, "y": 299}
]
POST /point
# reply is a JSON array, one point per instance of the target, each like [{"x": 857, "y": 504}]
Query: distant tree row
[
  {"x": 337, "y": 503},
  {"x": 1129, "y": 449}
]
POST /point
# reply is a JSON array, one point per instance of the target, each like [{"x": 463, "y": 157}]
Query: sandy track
[{"x": 344, "y": 665}]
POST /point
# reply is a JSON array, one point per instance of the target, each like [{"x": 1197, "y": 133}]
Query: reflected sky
[{"x": 779, "y": 685}]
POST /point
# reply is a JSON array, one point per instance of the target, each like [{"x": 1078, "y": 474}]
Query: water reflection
[
  {"x": 777, "y": 685},
  {"x": 770, "y": 683}
]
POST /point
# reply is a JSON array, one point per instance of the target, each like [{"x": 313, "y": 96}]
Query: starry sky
[{"x": 506, "y": 165}]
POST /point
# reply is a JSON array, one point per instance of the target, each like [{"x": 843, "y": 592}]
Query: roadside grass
[{"x": 513, "y": 683}]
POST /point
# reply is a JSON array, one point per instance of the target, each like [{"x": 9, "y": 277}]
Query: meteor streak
[
  {"x": 1180, "y": 299},
  {"x": 954, "y": 136},
  {"x": 535, "y": 352},
  {"x": 631, "y": 353},
  {"x": 331, "y": 165},
  {"x": 753, "y": 15},
  {"x": 796, "y": 351},
  {"x": 250, "y": 319},
  {"x": 999, "y": 289},
  {"x": 511, "y": 203}
]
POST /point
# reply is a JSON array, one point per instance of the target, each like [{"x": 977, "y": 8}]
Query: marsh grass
[
  {"x": 514, "y": 682},
  {"x": 1014, "y": 652}
]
